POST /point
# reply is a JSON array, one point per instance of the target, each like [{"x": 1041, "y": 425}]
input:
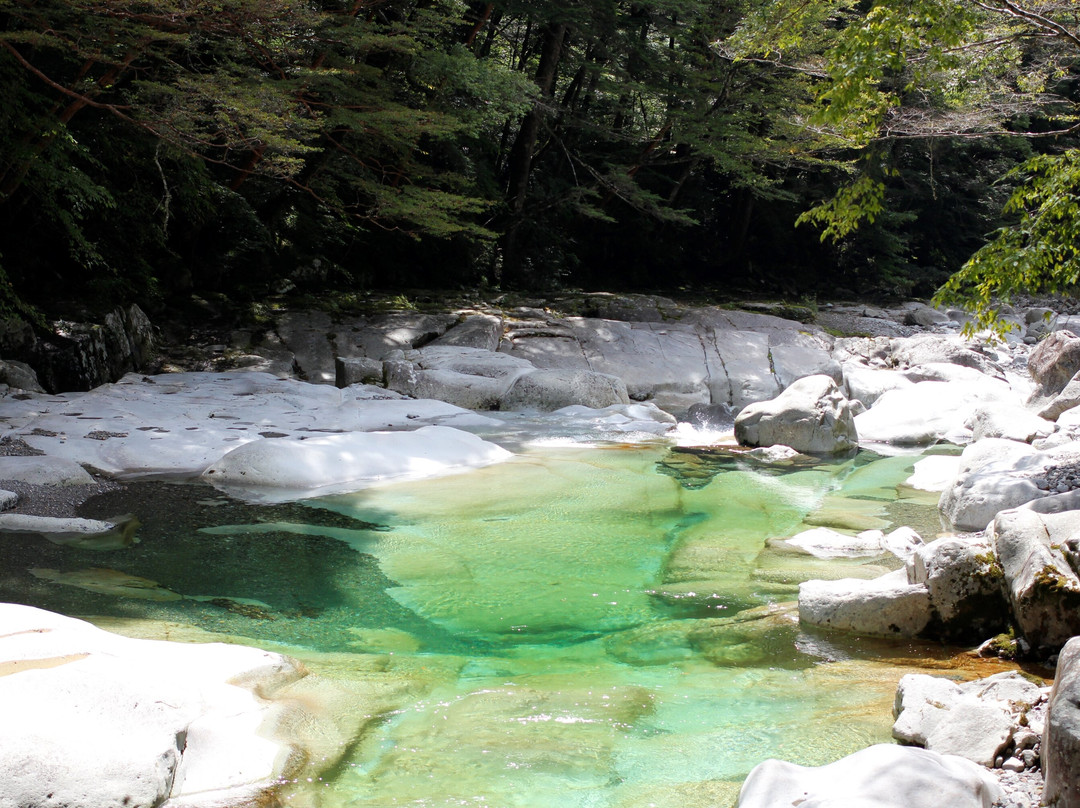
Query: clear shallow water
[{"x": 577, "y": 627}]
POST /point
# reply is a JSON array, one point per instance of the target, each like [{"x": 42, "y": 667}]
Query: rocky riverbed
[{"x": 314, "y": 404}]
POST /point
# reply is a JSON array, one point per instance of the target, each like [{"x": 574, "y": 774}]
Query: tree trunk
[{"x": 519, "y": 163}]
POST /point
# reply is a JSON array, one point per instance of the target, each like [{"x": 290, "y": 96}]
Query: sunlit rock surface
[
  {"x": 92, "y": 719},
  {"x": 974, "y": 720},
  {"x": 179, "y": 424},
  {"x": 287, "y": 468},
  {"x": 881, "y": 776},
  {"x": 995, "y": 474}
]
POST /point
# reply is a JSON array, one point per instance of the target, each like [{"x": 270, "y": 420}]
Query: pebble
[
  {"x": 1059, "y": 479},
  {"x": 1019, "y": 789}
]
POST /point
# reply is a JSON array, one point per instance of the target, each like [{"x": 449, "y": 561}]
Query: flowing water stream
[{"x": 577, "y": 627}]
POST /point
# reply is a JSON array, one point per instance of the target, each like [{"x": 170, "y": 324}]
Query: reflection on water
[{"x": 576, "y": 627}]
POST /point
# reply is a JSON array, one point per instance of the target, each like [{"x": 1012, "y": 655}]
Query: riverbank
[{"x": 469, "y": 390}]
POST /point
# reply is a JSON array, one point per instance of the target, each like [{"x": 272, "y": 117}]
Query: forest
[{"x": 243, "y": 148}]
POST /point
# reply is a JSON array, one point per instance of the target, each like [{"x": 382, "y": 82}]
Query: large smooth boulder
[
  {"x": 95, "y": 720},
  {"x": 885, "y": 606},
  {"x": 811, "y": 416},
  {"x": 178, "y": 424},
  {"x": 966, "y": 586},
  {"x": 974, "y": 720},
  {"x": 880, "y": 776},
  {"x": 1061, "y": 740},
  {"x": 1043, "y": 589}
]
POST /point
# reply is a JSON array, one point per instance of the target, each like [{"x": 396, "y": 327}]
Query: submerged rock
[
  {"x": 108, "y": 582},
  {"x": 86, "y": 534},
  {"x": 881, "y": 776}
]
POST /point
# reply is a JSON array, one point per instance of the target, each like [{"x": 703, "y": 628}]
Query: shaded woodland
[{"x": 240, "y": 148}]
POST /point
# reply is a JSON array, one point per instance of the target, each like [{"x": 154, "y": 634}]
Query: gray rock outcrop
[
  {"x": 1043, "y": 589},
  {"x": 966, "y": 588},
  {"x": 1061, "y": 741},
  {"x": 1053, "y": 363},
  {"x": 81, "y": 356}
]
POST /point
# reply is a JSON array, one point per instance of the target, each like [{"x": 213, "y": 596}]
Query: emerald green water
[{"x": 575, "y": 627}]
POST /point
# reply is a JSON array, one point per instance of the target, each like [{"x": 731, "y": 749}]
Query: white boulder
[
  {"x": 880, "y": 776},
  {"x": 1009, "y": 421},
  {"x": 1061, "y": 741},
  {"x": 993, "y": 475},
  {"x": 930, "y": 411},
  {"x": 281, "y": 468},
  {"x": 178, "y": 424},
  {"x": 868, "y": 384},
  {"x": 822, "y": 542},
  {"x": 883, "y": 606},
  {"x": 934, "y": 473}
]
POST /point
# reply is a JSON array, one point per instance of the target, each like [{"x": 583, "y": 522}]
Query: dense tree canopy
[{"x": 149, "y": 149}]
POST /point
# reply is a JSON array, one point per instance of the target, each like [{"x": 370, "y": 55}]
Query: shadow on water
[{"x": 258, "y": 571}]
